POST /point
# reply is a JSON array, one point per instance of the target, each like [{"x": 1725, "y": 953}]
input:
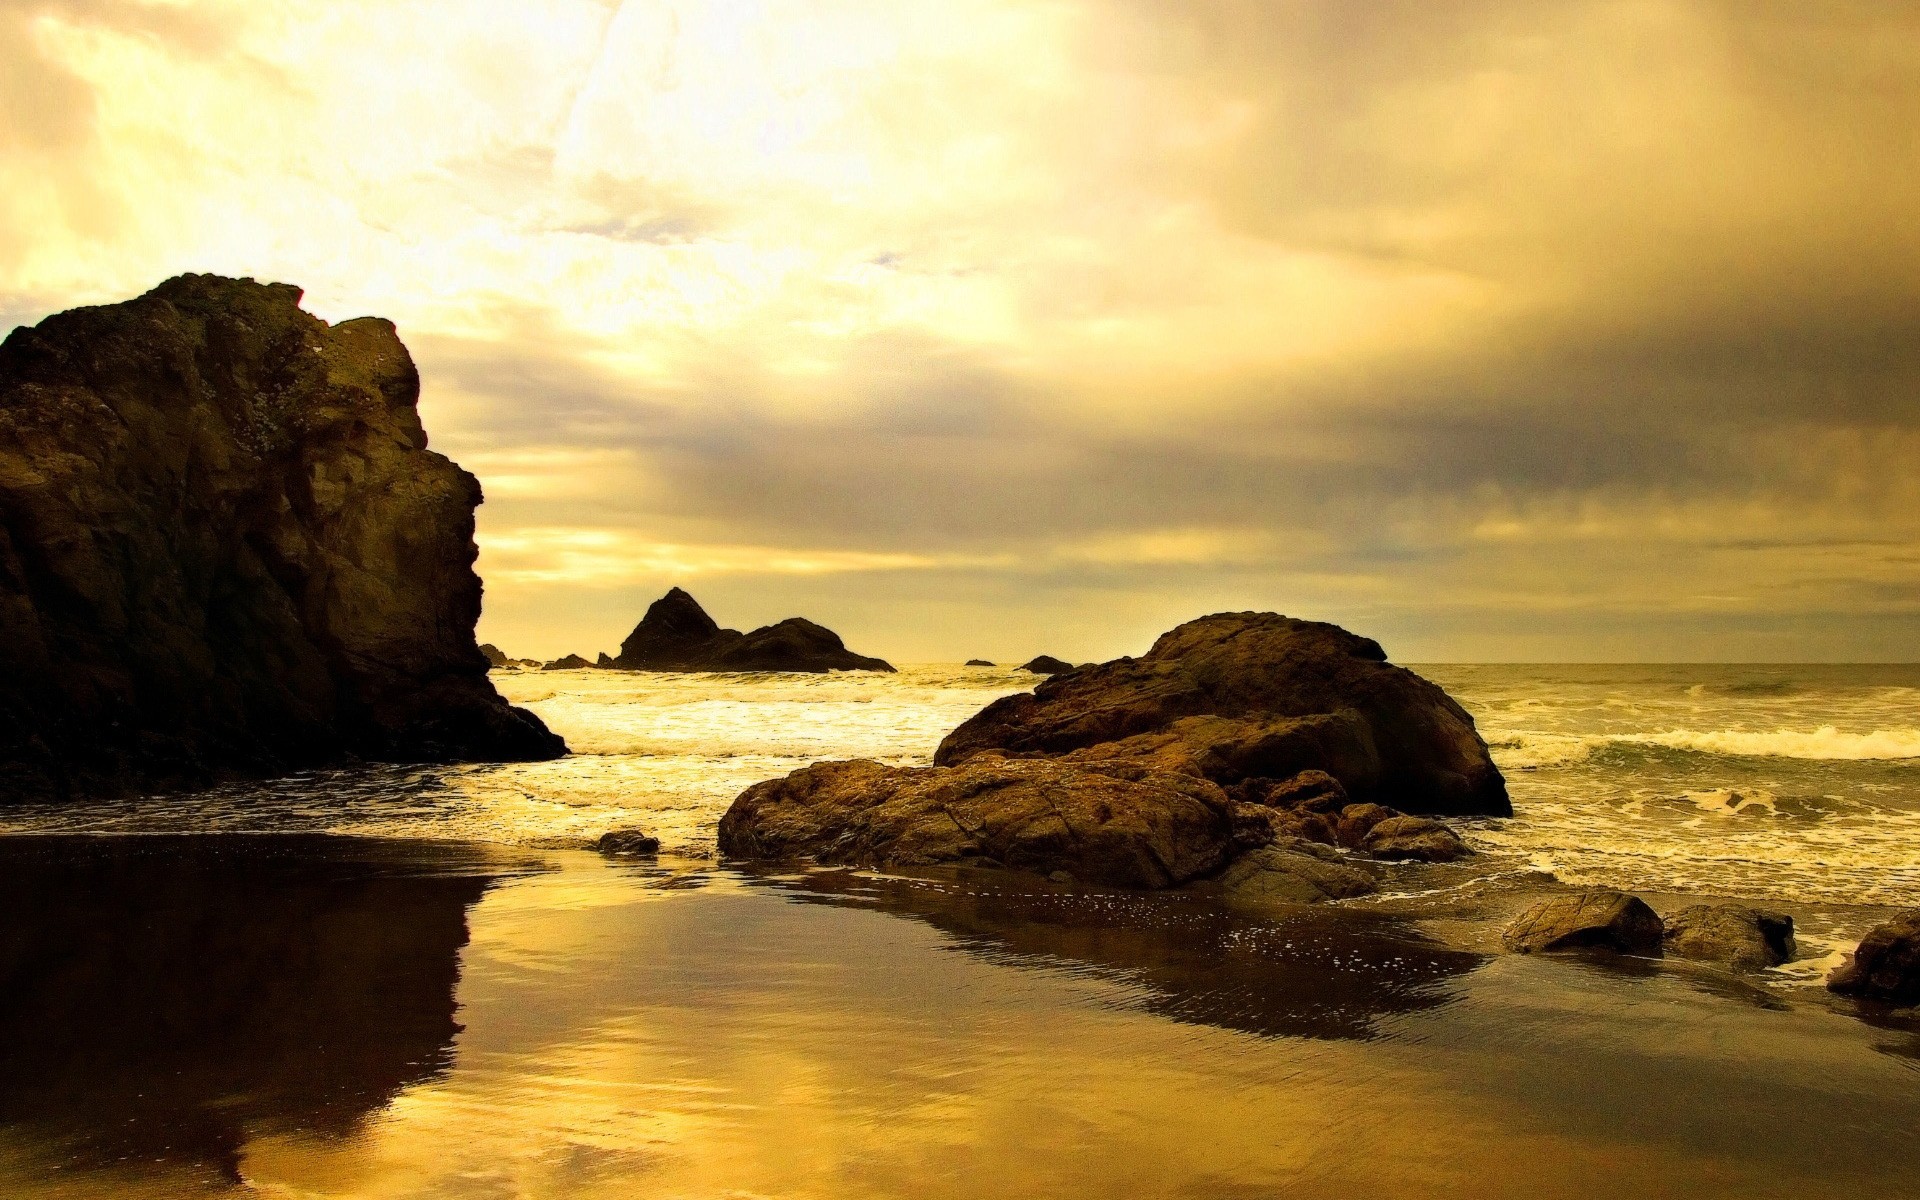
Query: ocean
[{"x": 393, "y": 981}]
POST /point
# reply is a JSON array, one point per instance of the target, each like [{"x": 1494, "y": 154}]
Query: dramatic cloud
[{"x": 1498, "y": 330}]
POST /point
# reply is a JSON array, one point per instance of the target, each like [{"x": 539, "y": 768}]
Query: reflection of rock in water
[
  {"x": 1316, "y": 972},
  {"x": 169, "y": 997}
]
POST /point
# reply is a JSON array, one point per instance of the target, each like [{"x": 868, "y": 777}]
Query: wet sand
[{"x": 348, "y": 1016}]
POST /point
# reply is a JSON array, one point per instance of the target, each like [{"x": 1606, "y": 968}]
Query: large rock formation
[
  {"x": 1236, "y": 733},
  {"x": 1257, "y": 696},
  {"x": 226, "y": 550},
  {"x": 678, "y": 635}
]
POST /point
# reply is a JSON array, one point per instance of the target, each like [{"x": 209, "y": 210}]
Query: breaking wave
[{"x": 1825, "y": 743}]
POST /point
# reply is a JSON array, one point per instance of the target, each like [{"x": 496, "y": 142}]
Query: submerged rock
[
  {"x": 677, "y": 635},
  {"x": 627, "y": 842},
  {"x": 225, "y": 550},
  {"x": 1295, "y": 873},
  {"x": 1886, "y": 965},
  {"x": 1046, "y": 664},
  {"x": 1587, "y": 920},
  {"x": 1745, "y": 939},
  {"x": 1257, "y": 694},
  {"x": 1154, "y": 830}
]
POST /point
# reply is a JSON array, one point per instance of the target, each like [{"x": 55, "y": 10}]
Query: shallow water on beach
[{"x": 407, "y": 982}]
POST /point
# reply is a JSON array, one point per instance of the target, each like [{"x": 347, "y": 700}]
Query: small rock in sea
[
  {"x": 1420, "y": 838},
  {"x": 1886, "y": 965},
  {"x": 628, "y": 842},
  {"x": 1298, "y": 873},
  {"x": 1745, "y": 939},
  {"x": 572, "y": 662},
  {"x": 494, "y": 655},
  {"x": 1586, "y": 920},
  {"x": 605, "y": 661},
  {"x": 979, "y": 662},
  {"x": 1046, "y": 664}
]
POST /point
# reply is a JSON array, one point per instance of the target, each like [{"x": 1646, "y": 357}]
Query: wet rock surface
[
  {"x": 1154, "y": 830},
  {"x": 1420, "y": 839},
  {"x": 226, "y": 551},
  {"x": 1586, "y": 920},
  {"x": 677, "y": 635},
  {"x": 628, "y": 842},
  {"x": 1733, "y": 935},
  {"x": 1885, "y": 967},
  {"x": 1258, "y": 695},
  {"x": 1295, "y": 873}
]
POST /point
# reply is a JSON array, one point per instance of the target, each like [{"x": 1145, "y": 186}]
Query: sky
[{"x": 1494, "y": 329}]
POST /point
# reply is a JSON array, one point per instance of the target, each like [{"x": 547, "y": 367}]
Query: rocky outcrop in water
[
  {"x": 1587, "y": 921},
  {"x": 1251, "y": 696},
  {"x": 226, "y": 550},
  {"x": 1732, "y": 935},
  {"x": 678, "y": 635},
  {"x": 567, "y": 662},
  {"x": 978, "y": 662},
  {"x": 1046, "y": 664},
  {"x": 1886, "y": 965},
  {"x": 1157, "y": 772}
]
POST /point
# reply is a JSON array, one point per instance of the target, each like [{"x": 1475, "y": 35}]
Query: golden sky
[{"x": 1496, "y": 330}]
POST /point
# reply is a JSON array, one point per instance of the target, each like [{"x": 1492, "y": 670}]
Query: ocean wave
[{"x": 1526, "y": 751}]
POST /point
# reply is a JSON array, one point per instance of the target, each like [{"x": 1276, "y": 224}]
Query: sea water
[{"x": 1790, "y": 783}]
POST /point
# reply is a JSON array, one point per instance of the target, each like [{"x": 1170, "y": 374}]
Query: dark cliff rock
[
  {"x": 567, "y": 662},
  {"x": 1278, "y": 696},
  {"x": 678, "y": 635},
  {"x": 225, "y": 550}
]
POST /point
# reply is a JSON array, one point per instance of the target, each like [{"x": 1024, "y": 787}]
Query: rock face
[
  {"x": 1154, "y": 830},
  {"x": 1587, "y": 920},
  {"x": 225, "y": 550},
  {"x": 1046, "y": 664},
  {"x": 1252, "y": 696},
  {"x": 678, "y": 635},
  {"x": 1745, "y": 939},
  {"x": 1886, "y": 965}
]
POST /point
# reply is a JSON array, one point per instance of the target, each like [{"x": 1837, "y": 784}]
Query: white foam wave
[{"x": 1527, "y": 751}]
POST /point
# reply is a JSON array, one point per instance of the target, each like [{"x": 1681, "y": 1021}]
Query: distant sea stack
[
  {"x": 226, "y": 551},
  {"x": 678, "y": 635}
]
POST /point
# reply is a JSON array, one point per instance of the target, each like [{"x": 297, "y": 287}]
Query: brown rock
[
  {"x": 1309, "y": 791},
  {"x": 1419, "y": 838},
  {"x": 1295, "y": 873},
  {"x": 1046, "y": 664},
  {"x": 571, "y": 662},
  {"x": 1745, "y": 939},
  {"x": 628, "y": 842},
  {"x": 1357, "y": 821},
  {"x": 677, "y": 635},
  {"x": 1886, "y": 965},
  {"x": 1153, "y": 831},
  {"x": 1585, "y": 920},
  {"x": 226, "y": 550},
  {"x": 1294, "y": 695}
]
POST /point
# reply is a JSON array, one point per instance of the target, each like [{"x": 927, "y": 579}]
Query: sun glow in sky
[{"x": 1492, "y": 329}]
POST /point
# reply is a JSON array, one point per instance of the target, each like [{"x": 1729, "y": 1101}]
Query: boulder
[
  {"x": 1418, "y": 838},
  {"x": 1733, "y": 935},
  {"x": 226, "y": 551},
  {"x": 1356, "y": 821},
  {"x": 1046, "y": 664},
  {"x": 572, "y": 662},
  {"x": 1153, "y": 830},
  {"x": 1294, "y": 873},
  {"x": 1258, "y": 695},
  {"x": 628, "y": 842},
  {"x": 677, "y": 635},
  {"x": 1587, "y": 920},
  {"x": 978, "y": 662},
  {"x": 1886, "y": 965}
]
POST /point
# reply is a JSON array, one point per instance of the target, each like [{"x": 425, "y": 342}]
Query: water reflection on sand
[{"x": 346, "y": 1017}]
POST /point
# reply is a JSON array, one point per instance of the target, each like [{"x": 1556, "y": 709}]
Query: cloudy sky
[{"x": 1496, "y": 330}]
